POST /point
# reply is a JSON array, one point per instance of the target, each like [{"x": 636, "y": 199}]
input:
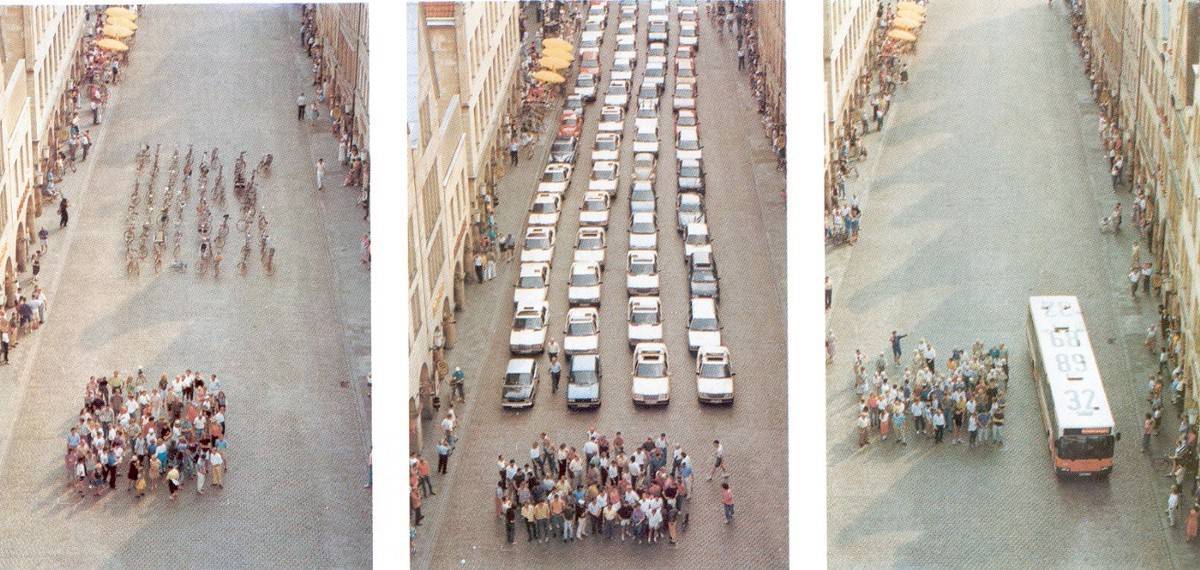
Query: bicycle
[
  {"x": 131, "y": 265},
  {"x": 217, "y": 266},
  {"x": 158, "y": 260},
  {"x": 269, "y": 264},
  {"x": 244, "y": 263}
]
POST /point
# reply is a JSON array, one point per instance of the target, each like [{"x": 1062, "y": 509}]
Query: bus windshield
[{"x": 1085, "y": 447}]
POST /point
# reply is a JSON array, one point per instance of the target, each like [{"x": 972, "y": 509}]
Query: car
[
  {"x": 590, "y": 245},
  {"x": 585, "y": 86},
  {"x": 703, "y": 280},
  {"x": 656, "y": 49},
  {"x": 520, "y": 383},
  {"x": 562, "y": 151},
  {"x": 689, "y": 208},
  {"x": 583, "y": 283},
  {"x": 648, "y": 96},
  {"x": 689, "y": 15},
  {"x": 545, "y": 209},
  {"x": 685, "y": 72},
  {"x": 556, "y": 178},
  {"x": 539, "y": 245},
  {"x": 604, "y": 177},
  {"x": 589, "y": 62},
  {"x": 594, "y": 25},
  {"x": 645, "y": 139},
  {"x": 622, "y": 70},
  {"x": 687, "y": 144},
  {"x": 642, "y": 197},
  {"x": 643, "y": 230},
  {"x": 618, "y": 93},
  {"x": 582, "y": 333},
  {"x": 656, "y": 73},
  {"x": 645, "y": 166},
  {"x": 642, "y": 276},
  {"x": 645, "y": 123},
  {"x": 612, "y": 119},
  {"x": 528, "y": 334},
  {"x": 570, "y": 124},
  {"x": 682, "y": 53},
  {"x": 658, "y": 11},
  {"x": 607, "y": 147},
  {"x": 687, "y": 118},
  {"x": 595, "y": 209},
  {"x": 651, "y": 377},
  {"x": 714, "y": 375},
  {"x": 574, "y": 103},
  {"x": 589, "y": 42},
  {"x": 696, "y": 239},
  {"x": 629, "y": 12},
  {"x": 627, "y": 50},
  {"x": 690, "y": 175},
  {"x": 658, "y": 30},
  {"x": 645, "y": 320},
  {"x": 598, "y": 11},
  {"x": 685, "y": 96},
  {"x": 583, "y": 381},
  {"x": 703, "y": 327},
  {"x": 689, "y": 34},
  {"x": 533, "y": 284},
  {"x": 682, "y": 6}
]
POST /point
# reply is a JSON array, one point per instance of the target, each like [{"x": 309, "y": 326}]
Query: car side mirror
[{"x": 1118, "y": 436}]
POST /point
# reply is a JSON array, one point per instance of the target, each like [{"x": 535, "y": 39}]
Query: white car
[
  {"x": 591, "y": 245},
  {"x": 585, "y": 86},
  {"x": 607, "y": 147},
  {"x": 612, "y": 119},
  {"x": 687, "y": 144},
  {"x": 685, "y": 72},
  {"x": 545, "y": 209},
  {"x": 626, "y": 50},
  {"x": 689, "y": 208},
  {"x": 658, "y": 11},
  {"x": 656, "y": 72},
  {"x": 656, "y": 49},
  {"x": 595, "y": 209},
  {"x": 618, "y": 93},
  {"x": 539, "y": 245},
  {"x": 590, "y": 42},
  {"x": 520, "y": 383},
  {"x": 658, "y": 30},
  {"x": 583, "y": 331},
  {"x": 690, "y": 176},
  {"x": 651, "y": 378},
  {"x": 643, "y": 231},
  {"x": 533, "y": 284},
  {"x": 604, "y": 177},
  {"x": 696, "y": 239},
  {"x": 642, "y": 197},
  {"x": 583, "y": 284},
  {"x": 629, "y": 12},
  {"x": 555, "y": 178},
  {"x": 645, "y": 166},
  {"x": 689, "y": 15},
  {"x": 646, "y": 139},
  {"x": 685, "y": 96},
  {"x": 682, "y": 6},
  {"x": 642, "y": 277},
  {"x": 648, "y": 97},
  {"x": 528, "y": 335},
  {"x": 594, "y": 25},
  {"x": 714, "y": 375},
  {"x": 645, "y": 320},
  {"x": 689, "y": 35},
  {"x": 703, "y": 328},
  {"x": 622, "y": 70},
  {"x": 598, "y": 10}
]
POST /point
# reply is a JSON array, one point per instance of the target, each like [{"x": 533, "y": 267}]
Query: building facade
[
  {"x": 848, "y": 46},
  {"x": 41, "y": 61},
  {"x": 769, "y": 26},
  {"x": 342, "y": 34}
]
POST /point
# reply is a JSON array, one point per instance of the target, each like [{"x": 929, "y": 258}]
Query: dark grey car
[{"x": 703, "y": 279}]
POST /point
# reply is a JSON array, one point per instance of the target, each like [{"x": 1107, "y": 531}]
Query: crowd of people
[
  {"x": 172, "y": 430},
  {"x": 611, "y": 488},
  {"x": 966, "y": 399}
]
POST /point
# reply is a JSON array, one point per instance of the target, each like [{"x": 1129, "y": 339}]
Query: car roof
[
  {"x": 690, "y": 197},
  {"x": 637, "y": 215},
  {"x": 710, "y": 352},
  {"x": 537, "y": 230},
  {"x": 582, "y": 313},
  {"x": 688, "y": 133},
  {"x": 591, "y": 232},
  {"x": 532, "y": 268},
  {"x": 643, "y": 156},
  {"x": 643, "y": 255},
  {"x": 690, "y": 162},
  {"x": 705, "y": 305},
  {"x": 546, "y": 197},
  {"x": 595, "y": 195},
  {"x": 643, "y": 348},
  {"x": 647, "y": 126},
  {"x": 535, "y": 306},
  {"x": 645, "y": 303},
  {"x": 639, "y": 185},
  {"x": 606, "y": 164},
  {"x": 656, "y": 61},
  {"x": 606, "y": 136},
  {"x": 585, "y": 358},
  {"x": 618, "y": 81},
  {"x": 520, "y": 365},
  {"x": 701, "y": 257},
  {"x": 555, "y": 166},
  {"x": 608, "y": 108},
  {"x": 584, "y": 266}
]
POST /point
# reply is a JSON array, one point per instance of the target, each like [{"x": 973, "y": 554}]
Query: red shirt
[{"x": 727, "y": 496}]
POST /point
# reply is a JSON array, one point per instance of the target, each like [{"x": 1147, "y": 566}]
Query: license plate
[{"x": 651, "y": 399}]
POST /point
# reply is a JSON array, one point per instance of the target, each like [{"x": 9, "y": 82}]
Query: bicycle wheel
[{"x": 852, "y": 173}]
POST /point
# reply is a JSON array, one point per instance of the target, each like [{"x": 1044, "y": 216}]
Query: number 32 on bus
[{"x": 1079, "y": 423}]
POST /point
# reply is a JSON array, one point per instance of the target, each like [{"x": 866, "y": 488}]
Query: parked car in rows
[
  {"x": 651, "y": 376},
  {"x": 689, "y": 34},
  {"x": 528, "y": 334},
  {"x": 612, "y": 119},
  {"x": 696, "y": 239},
  {"x": 604, "y": 177},
  {"x": 703, "y": 280},
  {"x": 645, "y": 166},
  {"x": 545, "y": 209},
  {"x": 618, "y": 93},
  {"x": 595, "y": 209},
  {"x": 583, "y": 381},
  {"x": 642, "y": 275},
  {"x": 703, "y": 327},
  {"x": 539, "y": 245},
  {"x": 622, "y": 70},
  {"x": 585, "y": 86},
  {"x": 685, "y": 118},
  {"x": 583, "y": 285},
  {"x": 607, "y": 147},
  {"x": 643, "y": 231},
  {"x": 562, "y": 150},
  {"x": 646, "y": 139},
  {"x": 582, "y": 333},
  {"x": 555, "y": 178},
  {"x": 533, "y": 284},
  {"x": 570, "y": 124},
  {"x": 685, "y": 96},
  {"x": 690, "y": 175},
  {"x": 687, "y": 145},
  {"x": 642, "y": 197},
  {"x": 714, "y": 375},
  {"x": 689, "y": 208},
  {"x": 591, "y": 245},
  {"x": 520, "y": 383}
]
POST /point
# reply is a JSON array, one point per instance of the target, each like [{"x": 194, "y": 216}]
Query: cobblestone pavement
[
  {"x": 223, "y": 76},
  {"x": 746, "y": 213},
  {"x": 988, "y": 184}
]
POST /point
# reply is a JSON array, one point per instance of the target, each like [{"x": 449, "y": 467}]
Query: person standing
[
  {"x": 1193, "y": 523},
  {"x": 1173, "y": 503},
  {"x": 896, "y": 350},
  {"x": 1135, "y": 275},
  {"x": 718, "y": 461},
  {"x": 4, "y": 344},
  {"x": 218, "y": 469},
  {"x": 741, "y": 55},
  {"x": 939, "y": 425},
  {"x": 1147, "y": 273},
  {"x": 86, "y": 143},
  {"x": 95, "y": 115},
  {"x": 443, "y": 451},
  {"x": 425, "y": 482},
  {"x": 555, "y": 373},
  {"x": 514, "y": 151},
  {"x": 828, "y": 293},
  {"x": 414, "y": 501},
  {"x": 173, "y": 481},
  {"x": 320, "y": 174},
  {"x": 510, "y": 520},
  {"x": 63, "y": 214},
  {"x": 201, "y": 472},
  {"x": 1147, "y": 431},
  {"x": 727, "y": 502},
  {"x": 301, "y": 102},
  {"x": 456, "y": 384}
]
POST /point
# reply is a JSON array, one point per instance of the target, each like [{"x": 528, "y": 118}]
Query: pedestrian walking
[
  {"x": 1135, "y": 275},
  {"x": 456, "y": 385},
  {"x": 552, "y": 349},
  {"x": 63, "y": 215},
  {"x": 1147, "y": 273},
  {"x": 1193, "y": 523},
  {"x": 479, "y": 268},
  {"x": 718, "y": 461},
  {"x": 741, "y": 56},
  {"x": 555, "y": 373},
  {"x": 514, "y": 151},
  {"x": 828, "y": 293},
  {"x": 510, "y": 521},
  {"x": 1173, "y": 503},
  {"x": 320, "y": 174},
  {"x": 727, "y": 502},
  {"x": 1147, "y": 431},
  {"x": 86, "y": 142},
  {"x": 314, "y": 112},
  {"x": 443, "y": 453},
  {"x": 95, "y": 115},
  {"x": 301, "y": 102},
  {"x": 894, "y": 340},
  {"x": 414, "y": 502}
]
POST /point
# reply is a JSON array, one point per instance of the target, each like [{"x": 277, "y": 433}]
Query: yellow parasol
[
  {"x": 123, "y": 22},
  {"x": 119, "y": 12},
  {"x": 118, "y": 32},
  {"x": 902, "y": 35},
  {"x": 905, "y": 23},
  {"x": 553, "y": 63},
  {"x": 557, "y": 43},
  {"x": 558, "y": 54},
  {"x": 910, "y": 14},
  {"x": 112, "y": 45},
  {"x": 913, "y": 6},
  {"x": 548, "y": 77}
]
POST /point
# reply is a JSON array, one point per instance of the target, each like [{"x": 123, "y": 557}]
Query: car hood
[
  {"x": 590, "y": 216},
  {"x": 642, "y": 281},
  {"x": 643, "y": 241},
  {"x": 704, "y": 338},
  {"x": 583, "y": 392},
  {"x": 581, "y": 343},
  {"x": 517, "y": 393},
  {"x": 606, "y": 185},
  {"x": 704, "y": 289},
  {"x": 645, "y": 332},
  {"x": 642, "y": 146},
  {"x": 640, "y": 206},
  {"x": 688, "y": 154},
  {"x": 529, "y": 296},
  {"x": 536, "y": 255},
  {"x": 714, "y": 385},
  {"x": 689, "y": 249},
  {"x": 598, "y": 155},
  {"x": 596, "y": 255},
  {"x": 690, "y": 183},
  {"x": 589, "y": 292},
  {"x": 552, "y": 186},
  {"x": 651, "y": 386},
  {"x": 527, "y": 337},
  {"x": 686, "y": 218},
  {"x": 543, "y": 219}
]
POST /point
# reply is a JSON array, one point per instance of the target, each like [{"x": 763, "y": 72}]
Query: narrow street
[{"x": 985, "y": 188}]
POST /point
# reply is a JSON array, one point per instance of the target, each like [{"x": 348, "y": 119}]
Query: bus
[{"x": 1079, "y": 423}]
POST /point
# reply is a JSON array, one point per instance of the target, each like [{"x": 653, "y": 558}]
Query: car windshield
[
  {"x": 1085, "y": 447},
  {"x": 655, "y": 71},
  {"x": 703, "y": 275},
  {"x": 555, "y": 175},
  {"x": 714, "y": 370},
  {"x": 560, "y": 146},
  {"x": 581, "y": 328},
  {"x": 641, "y": 268},
  {"x": 606, "y": 144},
  {"x": 700, "y": 324},
  {"x": 570, "y": 119},
  {"x": 586, "y": 81},
  {"x": 684, "y": 92},
  {"x": 589, "y": 43},
  {"x": 644, "y": 318},
  {"x": 642, "y": 196},
  {"x": 697, "y": 239},
  {"x": 610, "y": 116},
  {"x": 686, "y": 72},
  {"x": 647, "y": 112},
  {"x": 687, "y": 32},
  {"x": 644, "y": 164},
  {"x": 689, "y": 144},
  {"x": 544, "y": 207},
  {"x": 531, "y": 282},
  {"x": 591, "y": 243},
  {"x": 689, "y": 171},
  {"x": 616, "y": 89},
  {"x": 604, "y": 173},
  {"x": 657, "y": 50},
  {"x": 648, "y": 92},
  {"x": 647, "y": 136},
  {"x": 584, "y": 279},
  {"x": 641, "y": 227},
  {"x": 621, "y": 65},
  {"x": 532, "y": 323},
  {"x": 518, "y": 379},
  {"x": 583, "y": 376},
  {"x": 687, "y": 120},
  {"x": 537, "y": 242},
  {"x": 594, "y": 206},
  {"x": 651, "y": 369}
]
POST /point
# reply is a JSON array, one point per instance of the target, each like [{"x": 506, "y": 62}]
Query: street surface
[
  {"x": 746, "y": 216},
  {"x": 985, "y": 188},
  {"x": 224, "y": 76}
]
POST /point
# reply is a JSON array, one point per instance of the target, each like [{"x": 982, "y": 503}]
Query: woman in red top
[{"x": 727, "y": 502}]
